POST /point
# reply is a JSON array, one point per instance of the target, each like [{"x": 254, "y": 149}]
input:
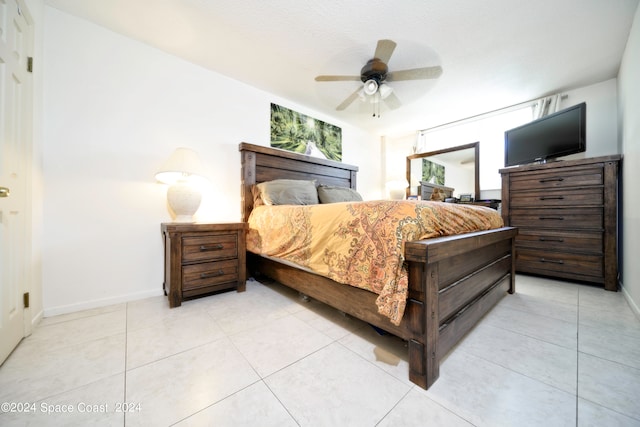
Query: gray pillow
[
  {"x": 288, "y": 192},
  {"x": 333, "y": 194}
]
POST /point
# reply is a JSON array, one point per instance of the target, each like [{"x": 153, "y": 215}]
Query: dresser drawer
[
  {"x": 575, "y": 197},
  {"x": 582, "y": 218},
  {"x": 197, "y": 276},
  {"x": 209, "y": 247},
  {"x": 559, "y": 178},
  {"x": 569, "y": 241},
  {"x": 546, "y": 263}
]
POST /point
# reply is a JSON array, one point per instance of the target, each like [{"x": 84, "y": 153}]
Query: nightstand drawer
[
  {"x": 209, "y": 247},
  {"x": 197, "y": 276}
]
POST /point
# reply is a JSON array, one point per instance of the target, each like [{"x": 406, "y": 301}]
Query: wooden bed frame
[{"x": 453, "y": 281}]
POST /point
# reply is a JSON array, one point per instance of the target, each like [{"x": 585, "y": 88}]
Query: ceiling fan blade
[
  {"x": 337, "y": 78},
  {"x": 415, "y": 74},
  {"x": 349, "y": 100},
  {"x": 392, "y": 101},
  {"x": 384, "y": 50}
]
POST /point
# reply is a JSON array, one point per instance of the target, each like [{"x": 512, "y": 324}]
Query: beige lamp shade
[
  {"x": 183, "y": 196},
  {"x": 184, "y": 162}
]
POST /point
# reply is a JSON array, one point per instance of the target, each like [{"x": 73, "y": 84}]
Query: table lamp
[{"x": 180, "y": 172}]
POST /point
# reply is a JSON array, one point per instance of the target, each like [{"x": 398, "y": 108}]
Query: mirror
[{"x": 454, "y": 170}]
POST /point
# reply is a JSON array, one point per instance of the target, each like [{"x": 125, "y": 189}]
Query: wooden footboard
[{"x": 453, "y": 281}]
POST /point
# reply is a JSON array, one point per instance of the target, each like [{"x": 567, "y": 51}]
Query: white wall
[
  {"x": 629, "y": 114},
  {"x": 114, "y": 110},
  {"x": 602, "y": 117}
]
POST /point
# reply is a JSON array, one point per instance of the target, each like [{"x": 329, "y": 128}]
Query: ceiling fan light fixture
[
  {"x": 370, "y": 87},
  {"x": 385, "y": 90}
]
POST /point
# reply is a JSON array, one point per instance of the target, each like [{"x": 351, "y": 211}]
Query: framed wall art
[{"x": 299, "y": 133}]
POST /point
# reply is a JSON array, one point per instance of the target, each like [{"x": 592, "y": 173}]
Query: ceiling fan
[{"x": 375, "y": 75}]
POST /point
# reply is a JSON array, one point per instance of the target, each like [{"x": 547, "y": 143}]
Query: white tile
[
  {"x": 549, "y": 363},
  {"x": 335, "y": 387},
  {"x": 174, "y": 388},
  {"x": 418, "y": 410},
  {"x": 255, "y": 405},
  {"x": 168, "y": 338},
  {"x": 554, "y": 290},
  {"x": 593, "y": 415},
  {"x": 34, "y": 373},
  {"x": 611, "y": 344},
  {"x": 596, "y": 297},
  {"x": 615, "y": 322},
  {"x": 609, "y": 384},
  {"x": 93, "y": 404},
  {"x": 539, "y": 305},
  {"x": 544, "y": 328},
  {"x": 388, "y": 352},
  {"x": 486, "y": 394},
  {"x": 279, "y": 343},
  {"x": 328, "y": 320},
  {"x": 201, "y": 363},
  {"x": 249, "y": 310},
  {"x": 79, "y": 330},
  {"x": 155, "y": 311}
]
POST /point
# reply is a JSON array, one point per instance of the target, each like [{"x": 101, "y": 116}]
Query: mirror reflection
[{"x": 453, "y": 173}]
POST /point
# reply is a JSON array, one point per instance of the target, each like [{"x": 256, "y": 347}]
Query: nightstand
[{"x": 203, "y": 258}]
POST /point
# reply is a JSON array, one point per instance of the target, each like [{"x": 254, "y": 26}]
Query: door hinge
[
  {"x": 25, "y": 299},
  {"x": 30, "y": 64}
]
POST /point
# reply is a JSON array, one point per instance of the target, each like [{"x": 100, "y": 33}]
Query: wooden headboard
[{"x": 260, "y": 164}]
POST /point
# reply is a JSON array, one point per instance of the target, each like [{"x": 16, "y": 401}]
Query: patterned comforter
[{"x": 361, "y": 243}]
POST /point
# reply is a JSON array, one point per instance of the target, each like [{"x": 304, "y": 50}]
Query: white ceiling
[{"x": 494, "y": 53}]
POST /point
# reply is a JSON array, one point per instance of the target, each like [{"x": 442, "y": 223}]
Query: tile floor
[{"x": 553, "y": 354}]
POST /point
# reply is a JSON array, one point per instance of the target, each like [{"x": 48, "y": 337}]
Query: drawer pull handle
[
  {"x": 552, "y": 261},
  {"x": 546, "y": 239},
  {"x": 552, "y": 198},
  {"x": 556, "y": 218},
  {"x": 210, "y": 275},
  {"x": 217, "y": 247},
  {"x": 559, "y": 179}
]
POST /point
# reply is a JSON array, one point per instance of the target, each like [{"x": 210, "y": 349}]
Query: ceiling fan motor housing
[{"x": 374, "y": 69}]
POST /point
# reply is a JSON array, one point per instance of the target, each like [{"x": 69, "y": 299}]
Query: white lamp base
[{"x": 184, "y": 200}]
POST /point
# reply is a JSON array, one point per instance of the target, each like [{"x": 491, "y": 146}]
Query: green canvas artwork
[
  {"x": 432, "y": 172},
  {"x": 299, "y": 133}
]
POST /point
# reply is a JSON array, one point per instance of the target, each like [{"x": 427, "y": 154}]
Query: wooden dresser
[
  {"x": 566, "y": 212},
  {"x": 203, "y": 258}
]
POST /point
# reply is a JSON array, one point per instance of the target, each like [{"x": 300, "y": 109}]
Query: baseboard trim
[
  {"x": 630, "y": 301},
  {"x": 87, "y": 305}
]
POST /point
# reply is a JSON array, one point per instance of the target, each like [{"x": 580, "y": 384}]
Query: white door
[{"x": 15, "y": 119}]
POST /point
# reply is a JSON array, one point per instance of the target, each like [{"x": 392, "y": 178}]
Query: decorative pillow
[
  {"x": 288, "y": 192},
  {"x": 333, "y": 194}
]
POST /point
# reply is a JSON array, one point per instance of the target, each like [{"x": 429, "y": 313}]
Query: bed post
[
  {"x": 423, "y": 317},
  {"x": 248, "y": 179},
  {"x": 512, "y": 282}
]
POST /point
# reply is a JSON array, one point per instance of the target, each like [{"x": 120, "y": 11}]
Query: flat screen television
[{"x": 558, "y": 134}]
